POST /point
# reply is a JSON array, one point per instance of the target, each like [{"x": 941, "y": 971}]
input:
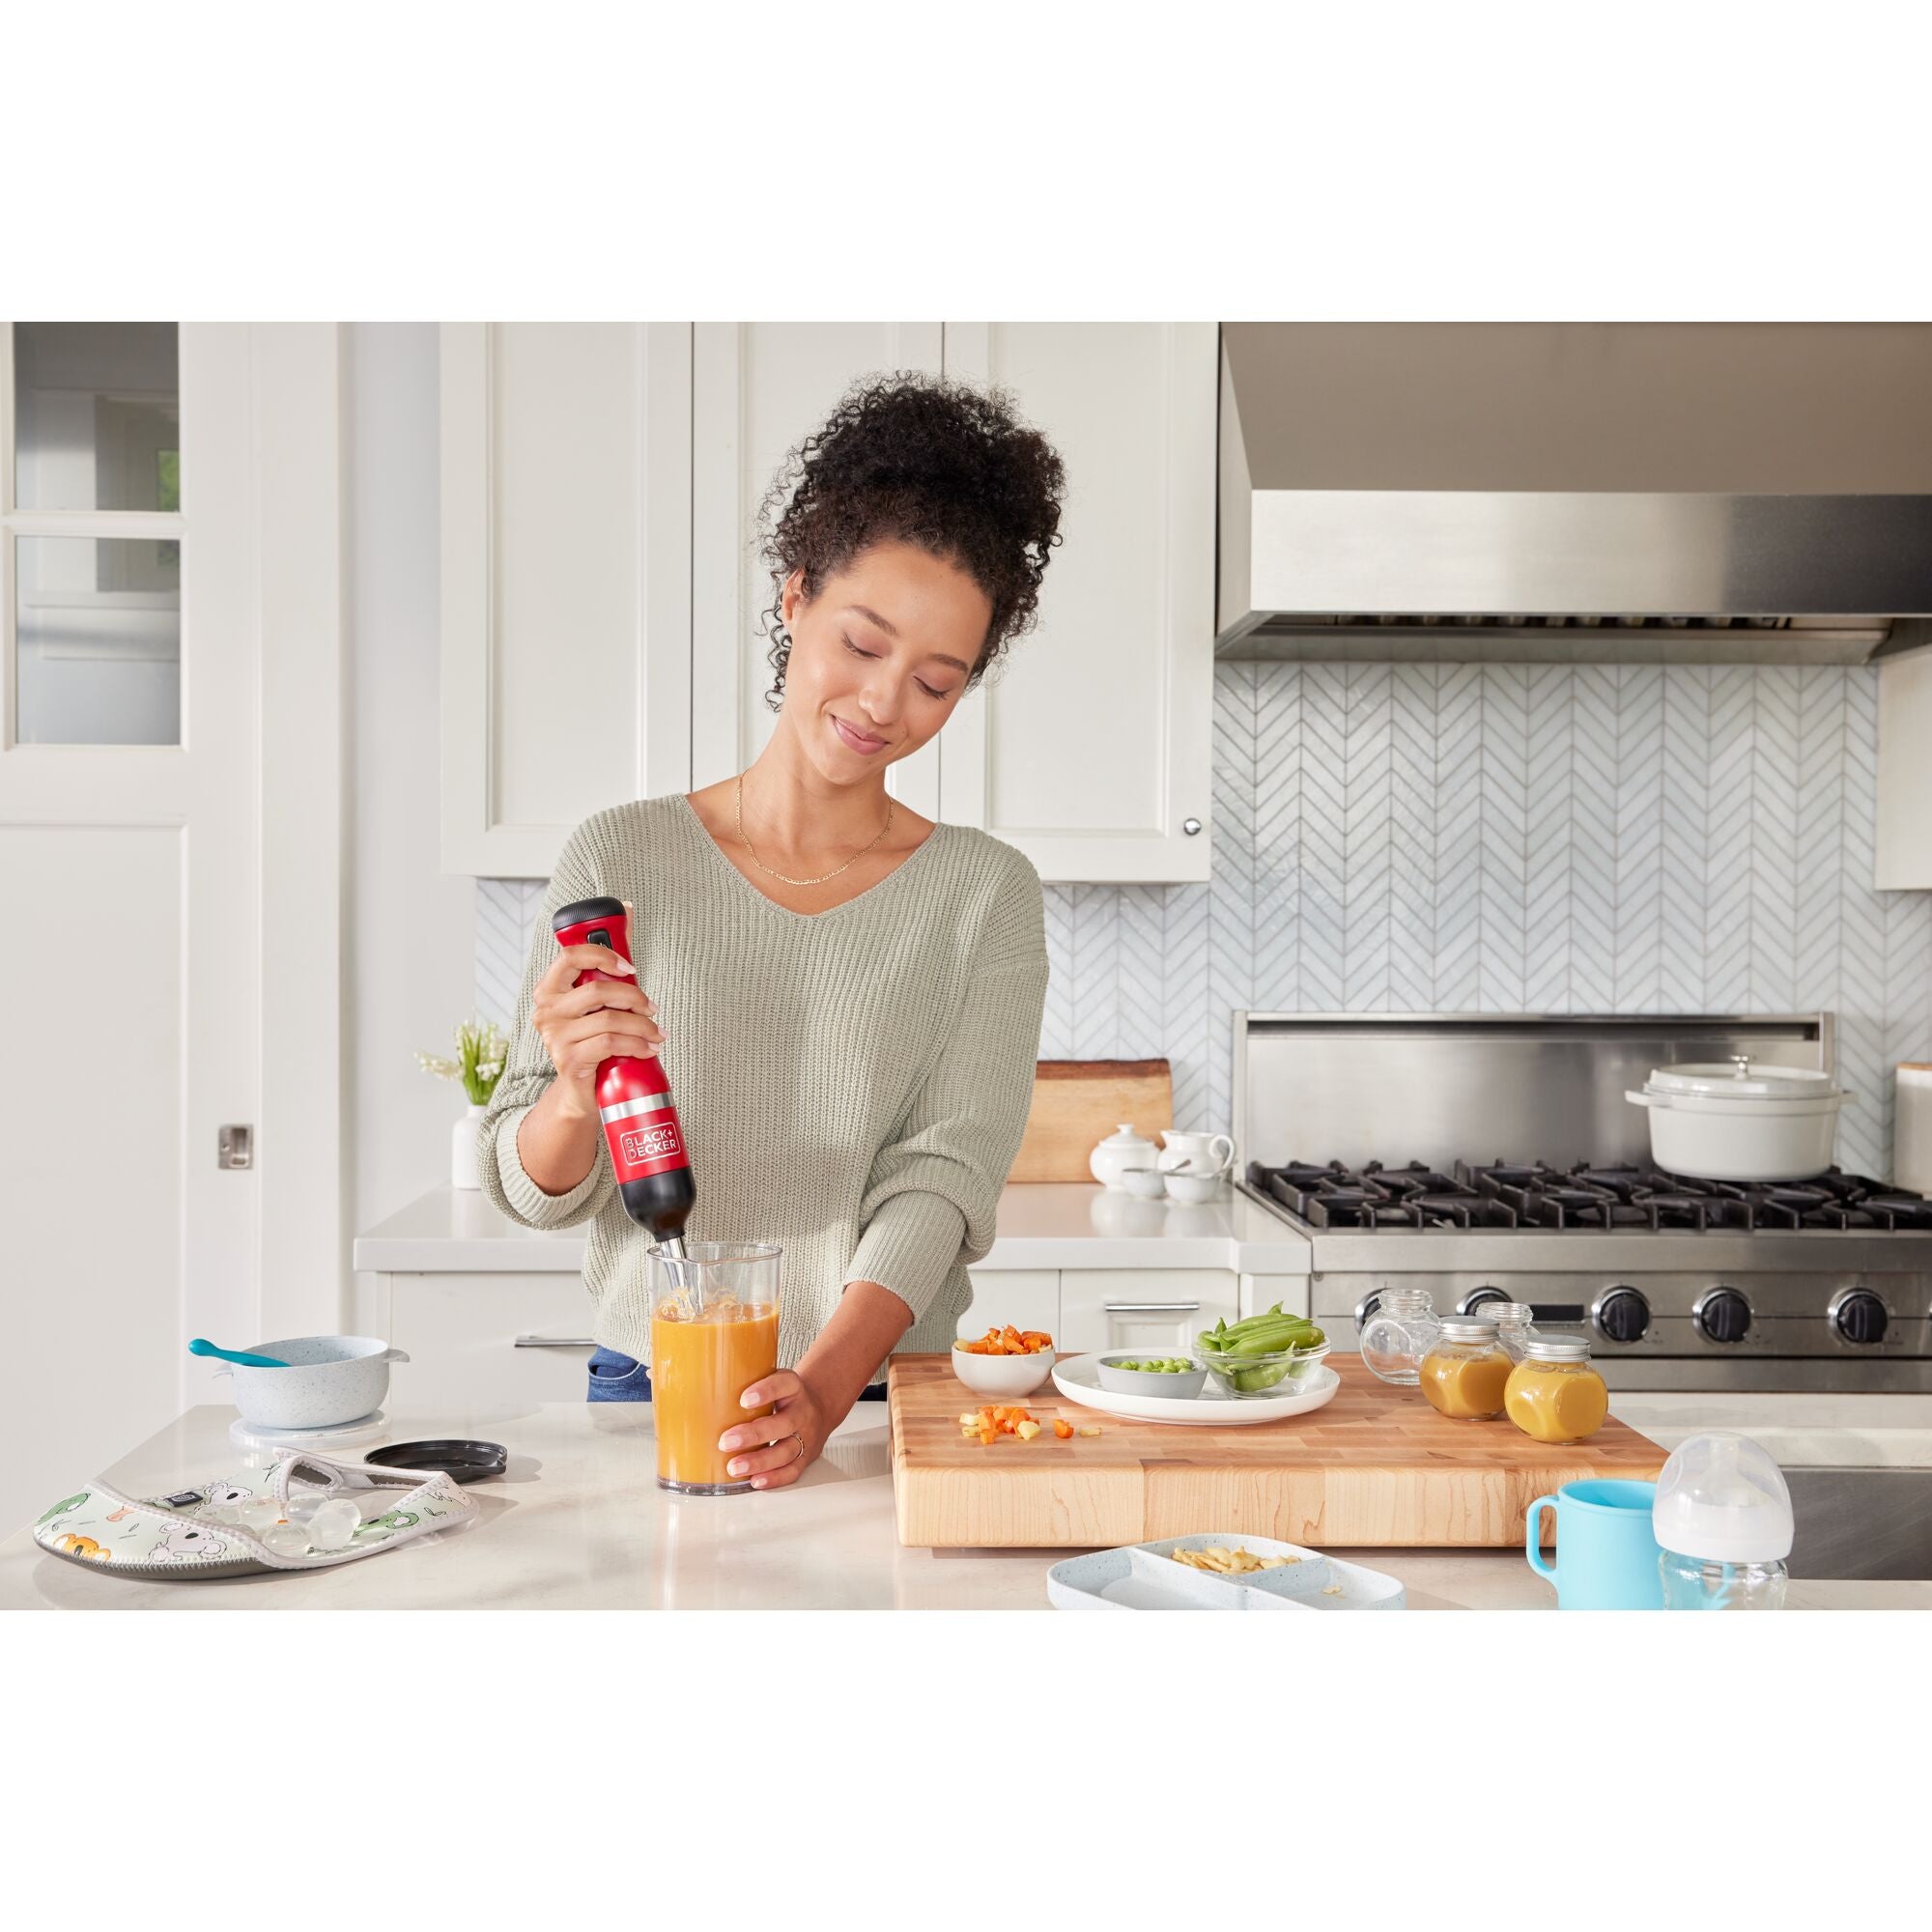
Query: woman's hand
[
  {"x": 776, "y": 1449},
  {"x": 584, "y": 1026}
]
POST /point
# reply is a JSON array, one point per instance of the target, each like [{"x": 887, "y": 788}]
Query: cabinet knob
[{"x": 1191, "y": 826}]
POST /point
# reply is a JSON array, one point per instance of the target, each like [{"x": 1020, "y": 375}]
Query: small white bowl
[
  {"x": 329, "y": 1379},
  {"x": 1183, "y": 1386},
  {"x": 1002, "y": 1376},
  {"x": 1193, "y": 1188},
  {"x": 1148, "y": 1183}
]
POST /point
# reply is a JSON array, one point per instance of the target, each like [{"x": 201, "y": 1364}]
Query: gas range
[{"x": 1680, "y": 1283}]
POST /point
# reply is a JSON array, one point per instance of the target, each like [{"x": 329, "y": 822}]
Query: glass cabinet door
[{"x": 92, "y": 513}]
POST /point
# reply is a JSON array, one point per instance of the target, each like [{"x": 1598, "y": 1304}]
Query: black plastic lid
[
  {"x": 583, "y": 909},
  {"x": 464, "y": 1461}
]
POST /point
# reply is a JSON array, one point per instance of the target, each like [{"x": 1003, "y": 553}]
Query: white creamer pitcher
[{"x": 1206, "y": 1155}]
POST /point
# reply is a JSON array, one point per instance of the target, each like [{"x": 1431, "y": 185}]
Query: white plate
[{"x": 1077, "y": 1377}]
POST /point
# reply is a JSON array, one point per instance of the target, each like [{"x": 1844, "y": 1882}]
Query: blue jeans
[{"x": 615, "y": 1378}]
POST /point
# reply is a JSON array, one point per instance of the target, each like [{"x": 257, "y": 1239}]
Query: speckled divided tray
[{"x": 1144, "y": 1576}]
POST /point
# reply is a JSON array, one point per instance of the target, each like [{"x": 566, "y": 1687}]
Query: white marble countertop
[
  {"x": 1046, "y": 1226},
  {"x": 578, "y": 1522},
  {"x": 1861, "y": 1430}
]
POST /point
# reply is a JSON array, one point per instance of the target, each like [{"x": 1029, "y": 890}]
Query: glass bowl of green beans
[{"x": 1268, "y": 1354}]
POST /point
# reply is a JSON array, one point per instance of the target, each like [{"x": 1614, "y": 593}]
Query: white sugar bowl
[{"x": 1119, "y": 1151}]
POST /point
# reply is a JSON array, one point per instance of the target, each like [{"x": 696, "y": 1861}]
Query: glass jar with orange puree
[
  {"x": 1466, "y": 1370},
  {"x": 1554, "y": 1394}
]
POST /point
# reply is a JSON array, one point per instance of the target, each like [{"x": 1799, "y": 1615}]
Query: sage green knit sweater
[{"x": 852, "y": 1084}]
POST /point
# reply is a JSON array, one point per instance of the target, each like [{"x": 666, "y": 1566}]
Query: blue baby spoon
[{"x": 200, "y": 1348}]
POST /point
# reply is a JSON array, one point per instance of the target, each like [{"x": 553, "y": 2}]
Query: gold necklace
[{"x": 738, "y": 813}]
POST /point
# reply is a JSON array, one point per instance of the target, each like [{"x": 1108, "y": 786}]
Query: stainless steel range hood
[{"x": 1575, "y": 492}]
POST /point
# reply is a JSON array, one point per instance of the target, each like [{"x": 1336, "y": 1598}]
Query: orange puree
[
  {"x": 1557, "y": 1401},
  {"x": 699, "y": 1371},
  {"x": 1464, "y": 1384}
]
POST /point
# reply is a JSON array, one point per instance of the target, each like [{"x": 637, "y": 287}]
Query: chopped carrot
[
  {"x": 1061, "y": 1428},
  {"x": 986, "y": 1435}
]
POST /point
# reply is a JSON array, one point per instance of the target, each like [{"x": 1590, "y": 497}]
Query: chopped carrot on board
[{"x": 1061, "y": 1428}]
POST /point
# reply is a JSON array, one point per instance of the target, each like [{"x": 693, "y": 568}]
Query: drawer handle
[
  {"x": 555, "y": 1342},
  {"x": 1151, "y": 1307}
]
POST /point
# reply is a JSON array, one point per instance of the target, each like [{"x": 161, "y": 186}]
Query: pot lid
[{"x": 1741, "y": 1080}]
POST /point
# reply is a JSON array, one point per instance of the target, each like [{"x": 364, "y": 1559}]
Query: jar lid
[
  {"x": 1468, "y": 1328},
  {"x": 1557, "y": 1349}
]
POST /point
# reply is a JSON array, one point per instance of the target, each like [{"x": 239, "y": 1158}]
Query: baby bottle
[{"x": 1723, "y": 1523}]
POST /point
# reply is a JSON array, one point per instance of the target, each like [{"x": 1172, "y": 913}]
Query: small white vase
[{"x": 463, "y": 1149}]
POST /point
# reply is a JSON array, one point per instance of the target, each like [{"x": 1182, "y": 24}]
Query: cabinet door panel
[
  {"x": 757, "y": 388},
  {"x": 460, "y": 1333},
  {"x": 1127, "y": 616},
  {"x": 1026, "y": 1297},
  {"x": 1156, "y": 1309},
  {"x": 566, "y": 627},
  {"x": 1263, "y": 1290}
]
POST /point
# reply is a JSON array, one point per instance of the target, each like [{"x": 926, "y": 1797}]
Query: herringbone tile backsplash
[{"x": 1494, "y": 839}]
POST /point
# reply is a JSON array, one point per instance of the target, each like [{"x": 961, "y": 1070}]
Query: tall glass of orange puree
[{"x": 714, "y": 1332}]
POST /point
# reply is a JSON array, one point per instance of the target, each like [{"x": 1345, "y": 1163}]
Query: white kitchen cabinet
[
  {"x": 1903, "y": 845},
  {"x": 602, "y": 588},
  {"x": 1091, "y": 749},
  {"x": 566, "y": 582},
  {"x": 1261, "y": 1292},
  {"x": 1160, "y": 1310},
  {"x": 513, "y": 1339},
  {"x": 1026, "y": 1297}
]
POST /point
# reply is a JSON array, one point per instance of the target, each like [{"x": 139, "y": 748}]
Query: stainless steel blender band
[{"x": 624, "y": 1110}]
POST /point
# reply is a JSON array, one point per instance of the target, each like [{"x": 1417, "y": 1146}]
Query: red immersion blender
[{"x": 640, "y": 1126}]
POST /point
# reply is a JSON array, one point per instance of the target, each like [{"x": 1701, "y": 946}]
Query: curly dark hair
[{"x": 918, "y": 459}]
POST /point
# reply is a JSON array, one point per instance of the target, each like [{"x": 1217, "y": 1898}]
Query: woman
[{"x": 848, "y": 995}]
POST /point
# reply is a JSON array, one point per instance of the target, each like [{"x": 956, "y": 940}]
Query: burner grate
[{"x": 1583, "y": 1197}]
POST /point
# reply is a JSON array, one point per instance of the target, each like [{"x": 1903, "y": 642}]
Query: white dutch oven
[{"x": 1736, "y": 1124}]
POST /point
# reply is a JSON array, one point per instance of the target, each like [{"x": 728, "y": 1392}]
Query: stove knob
[
  {"x": 1860, "y": 1317},
  {"x": 1724, "y": 1315},
  {"x": 1479, "y": 1297},
  {"x": 1623, "y": 1315}
]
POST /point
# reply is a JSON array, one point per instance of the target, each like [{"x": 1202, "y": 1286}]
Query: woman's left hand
[{"x": 776, "y": 1449}]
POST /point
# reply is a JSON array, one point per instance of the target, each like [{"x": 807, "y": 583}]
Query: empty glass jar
[
  {"x": 1401, "y": 1330},
  {"x": 1512, "y": 1329}
]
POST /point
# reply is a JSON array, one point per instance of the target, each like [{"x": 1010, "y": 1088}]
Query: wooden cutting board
[
  {"x": 1377, "y": 1467},
  {"x": 1077, "y": 1102}
]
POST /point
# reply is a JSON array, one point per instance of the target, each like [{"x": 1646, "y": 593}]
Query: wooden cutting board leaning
[
  {"x": 1378, "y": 1467},
  {"x": 1079, "y": 1102}
]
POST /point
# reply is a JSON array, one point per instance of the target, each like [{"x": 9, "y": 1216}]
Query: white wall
[{"x": 412, "y": 932}]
